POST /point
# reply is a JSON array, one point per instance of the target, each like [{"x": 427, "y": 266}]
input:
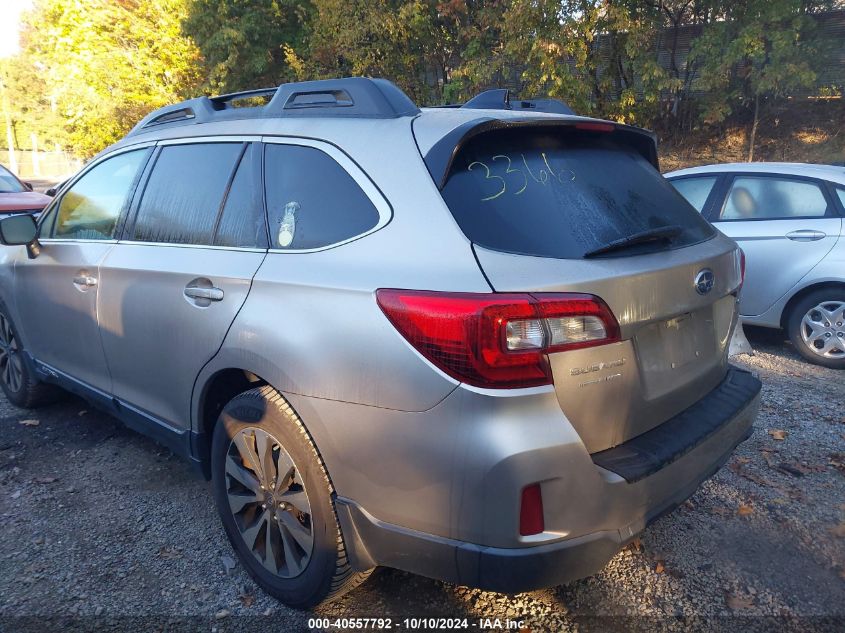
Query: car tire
[
  {"x": 285, "y": 496},
  {"x": 817, "y": 321},
  {"x": 17, "y": 379}
]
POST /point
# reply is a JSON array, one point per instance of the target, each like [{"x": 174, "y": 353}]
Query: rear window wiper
[{"x": 642, "y": 237}]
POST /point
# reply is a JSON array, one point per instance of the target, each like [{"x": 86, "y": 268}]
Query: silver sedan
[{"x": 788, "y": 218}]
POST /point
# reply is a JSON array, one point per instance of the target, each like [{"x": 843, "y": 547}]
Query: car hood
[{"x": 23, "y": 201}]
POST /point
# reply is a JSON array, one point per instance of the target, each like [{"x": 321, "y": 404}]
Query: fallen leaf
[
  {"x": 246, "y": 599},
  {"x": 45, "y": 480},
  {"x": 659, "y": 568},
  {"x": 744, "y": 510},
  {"x": 778, "y": 434},
  {"x": 29, "y": 422},
  {"x": 738, "y": 603},
  {"x": 168, "y": 553},
  {"x": 768, "y": 455},
  {"x": 839, "y": 530},
  {"x": 636, "y": 545}
]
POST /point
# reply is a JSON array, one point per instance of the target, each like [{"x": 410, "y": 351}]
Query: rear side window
[
  {"x": 91, "y": 207},
  {"x": 311, "y": 200},
  {"x": 695, "y": 190},
  {"x": 563, "y": 195},
  {"x": 755, "y": 198},
  {"x": 182, "y": 198},
  {"x": 841, "y": 194}
]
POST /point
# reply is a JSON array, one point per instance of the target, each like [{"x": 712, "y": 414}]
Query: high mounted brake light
[
  {"x": 595, "y": 127},
  {"x": 497, "y": 340}
]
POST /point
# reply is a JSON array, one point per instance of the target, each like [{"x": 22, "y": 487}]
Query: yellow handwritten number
[
  {"x": 489, "y": 176},
  {"x": 511, "y": 170}
]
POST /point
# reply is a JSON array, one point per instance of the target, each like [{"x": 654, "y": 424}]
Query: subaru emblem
[{"x": 704, "y": 281}]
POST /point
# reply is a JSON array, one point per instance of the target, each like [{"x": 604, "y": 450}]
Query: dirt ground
[{"x": 102, "y": 529}]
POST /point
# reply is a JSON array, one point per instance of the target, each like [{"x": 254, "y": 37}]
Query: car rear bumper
[{"x": 665, "y": 476}]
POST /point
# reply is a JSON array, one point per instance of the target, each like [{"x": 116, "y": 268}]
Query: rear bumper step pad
[{"x": 645, "y": 454}]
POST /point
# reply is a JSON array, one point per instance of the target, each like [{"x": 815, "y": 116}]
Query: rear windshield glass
[{"x": 565, "y": 195}]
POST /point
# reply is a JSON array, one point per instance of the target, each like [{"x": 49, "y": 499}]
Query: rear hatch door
[{"x": 584, "y": 209}]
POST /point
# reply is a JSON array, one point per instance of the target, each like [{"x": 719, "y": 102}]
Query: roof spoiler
[{"x": 440, "y": 157}]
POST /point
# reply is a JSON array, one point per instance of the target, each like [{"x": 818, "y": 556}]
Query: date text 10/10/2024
[{"x": 431, "y": 624}]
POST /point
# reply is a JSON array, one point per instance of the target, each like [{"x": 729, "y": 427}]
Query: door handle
[
  {"x": 805, "y": 235},
  {"x": 85, "y": 280},
  {"x": 210, "y": 294}
]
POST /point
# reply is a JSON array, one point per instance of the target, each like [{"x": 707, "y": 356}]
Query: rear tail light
[
  {"x": 531, "y": 511},
  {"x": 497, "y": 340},
  {"x": 741, "y": 268}
]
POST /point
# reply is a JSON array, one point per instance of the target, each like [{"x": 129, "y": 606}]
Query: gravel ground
[{"x": 100, "y": 528}]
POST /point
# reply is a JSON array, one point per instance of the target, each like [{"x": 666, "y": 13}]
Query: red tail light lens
[
  {"x": 531, "y": 511},
  {"x": 497, "y": 340}
]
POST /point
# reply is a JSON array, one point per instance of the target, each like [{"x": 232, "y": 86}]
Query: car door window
[
  {"x": 841, "y": 194},
  {"x": 242, "y": 223},
  {"x": 695, "y": 190},
  {"x": 91, "y": 207},
  {"x": 182, "y": 198},
  {"x": 312, "y": 201},
  {"x": 758, "y": 198}
]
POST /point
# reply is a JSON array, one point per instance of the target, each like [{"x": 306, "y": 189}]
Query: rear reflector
[
  {"x": 531, "y": 511},
  {"x": 497, "y": 340}
]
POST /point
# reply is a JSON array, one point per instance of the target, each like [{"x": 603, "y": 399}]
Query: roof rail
[
  {"x": 500, "y": 99},
  {"x": 353, "y": 97}
]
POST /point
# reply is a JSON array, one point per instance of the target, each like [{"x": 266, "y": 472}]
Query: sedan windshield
[{"x": 8, "y": 183}]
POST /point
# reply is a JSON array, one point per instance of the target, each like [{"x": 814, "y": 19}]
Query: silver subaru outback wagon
[{"x": 486, "y": 344}]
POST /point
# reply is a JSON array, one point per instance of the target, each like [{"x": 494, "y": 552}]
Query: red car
[{"x": 17, "y": 196}]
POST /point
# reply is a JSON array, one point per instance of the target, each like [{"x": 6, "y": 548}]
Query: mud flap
[{"x": 739, "y": 344}]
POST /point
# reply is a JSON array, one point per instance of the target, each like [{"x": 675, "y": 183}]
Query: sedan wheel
[{"x": 823, "y": 329}]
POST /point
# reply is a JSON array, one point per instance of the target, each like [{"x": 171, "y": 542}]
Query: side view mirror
[
  {"x": 52, "y": 191},
  {"x": 28, "y": 186},
  {"x": 18, "y": 230}
]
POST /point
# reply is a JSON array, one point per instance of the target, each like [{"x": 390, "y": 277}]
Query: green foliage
[
  {"x": 104, "y": 64},
  {"x": 244, "y": 41},
  {"x": 90, "y": 69},
  {"x": 761, "y": 49}
]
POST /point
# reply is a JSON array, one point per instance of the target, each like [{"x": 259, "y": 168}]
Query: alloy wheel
[
  {"x": 11, "y": 363},
  {"x": 823, "y": 329},
  {"x": 269, "y": 503}
]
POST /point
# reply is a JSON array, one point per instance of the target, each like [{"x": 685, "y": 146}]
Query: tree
[
  {"x": 598, "y": 55},
  {"x": 105, "y": 64},
  {"x": 244, "y": 41},
  {"x": 761, "y": 50}
]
